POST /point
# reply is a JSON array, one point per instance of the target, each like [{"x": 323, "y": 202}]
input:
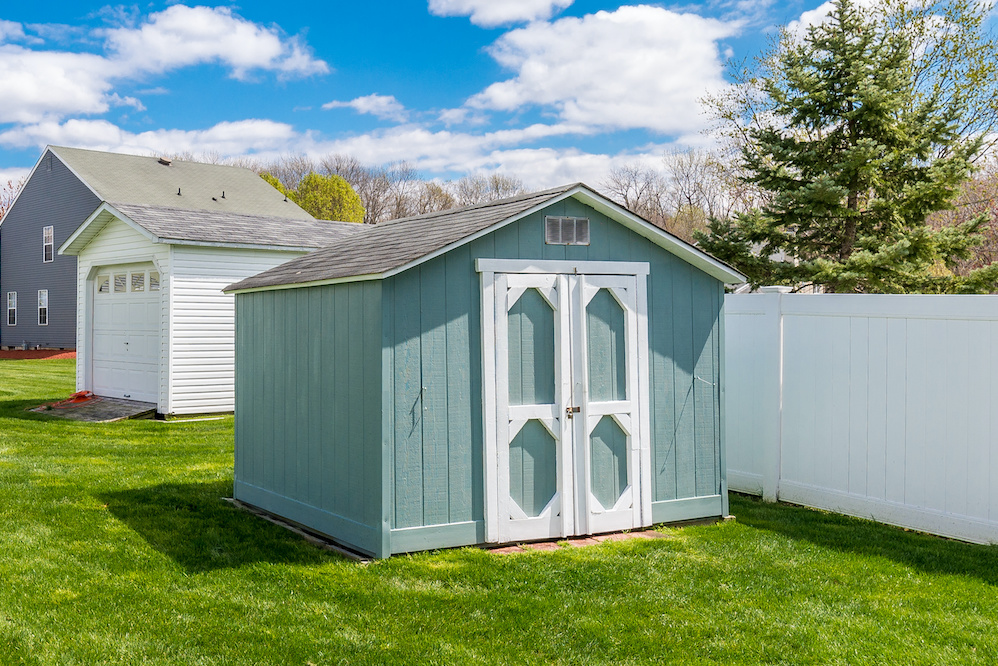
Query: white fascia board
[
  {"x": 32, "y": 173},
  {"x": 313, "y": 283},
  {"x": 667, "y": 241},
  {"x": 95, "y": 223},
  {"x": 663, "y": 239},
  {"x": 55, "y": 152}
]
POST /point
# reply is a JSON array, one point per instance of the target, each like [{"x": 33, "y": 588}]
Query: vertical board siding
[
  {"x": 308, "y": 422},
  {"x": 886, "y": 409},
  {"x": 435, "y": 356}
]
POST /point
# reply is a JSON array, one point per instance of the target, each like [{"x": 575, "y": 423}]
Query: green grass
[{"x": 115, "y": 548}]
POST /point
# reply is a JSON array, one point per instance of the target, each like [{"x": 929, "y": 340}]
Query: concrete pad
[{"x": 101, "y": 410}]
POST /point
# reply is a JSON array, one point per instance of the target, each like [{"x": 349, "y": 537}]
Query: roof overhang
[
  {"x": 698, "y": 258},
  {"x": 106, "y": 212}
]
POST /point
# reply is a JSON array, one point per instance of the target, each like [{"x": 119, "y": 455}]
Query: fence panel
[{"x": 875, "y": 406}]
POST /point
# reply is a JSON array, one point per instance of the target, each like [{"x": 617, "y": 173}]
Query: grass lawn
[{"x": 115, "y": 548}]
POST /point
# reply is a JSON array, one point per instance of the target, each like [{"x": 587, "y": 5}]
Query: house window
[
  {"x": 43, "y": 307},
  {"x": 120, "y": 283},
  {"x": 103, "y": 284},
  {"x": 11, "y": 308},
  {"x": 138, "y": 281},
  {"x": 566, "y": 230},
  {"x": 153, "y": 281},
  {"x": 48, "y": 244}
]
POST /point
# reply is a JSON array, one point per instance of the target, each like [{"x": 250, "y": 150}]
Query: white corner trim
[{"x": 483, "y": 265}]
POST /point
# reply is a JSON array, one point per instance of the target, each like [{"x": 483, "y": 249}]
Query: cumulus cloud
[
  {"x": 43, "y": 85},
  {"x": 491, "y": 13},
  {"x": 636, "y": 67},
  {"x": 10, "y": 30},
  {"x": 385, "y": 107},
  {"x": 227, "y": 138},
  {"x": 181, "y": 36}
]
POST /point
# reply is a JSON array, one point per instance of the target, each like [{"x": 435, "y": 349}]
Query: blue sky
[{"x": 550, "y": 90}]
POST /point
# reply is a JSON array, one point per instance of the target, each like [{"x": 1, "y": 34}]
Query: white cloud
[
  {"x": 10, "y": 30},
  {"x": 491, "y": 13},
  {"x": 45, "y": 85},
  {"x": 636, "y": 67},
  {"x": 228, "y": 138},
  {"x": 385, "y": 107},
  {"x": 182, "y": 36},
  {"x": 13, "y": 175}
]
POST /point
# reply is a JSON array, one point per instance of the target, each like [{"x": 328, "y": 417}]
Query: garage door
[{"x": 126, "y": 333}]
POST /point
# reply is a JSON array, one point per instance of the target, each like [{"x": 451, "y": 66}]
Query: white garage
[
  {"x": 125, "y": 335},
  {"x": 152, "y": 322}
]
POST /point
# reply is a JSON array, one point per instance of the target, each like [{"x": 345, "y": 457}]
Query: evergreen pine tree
[{"x": 853, "y": 158}]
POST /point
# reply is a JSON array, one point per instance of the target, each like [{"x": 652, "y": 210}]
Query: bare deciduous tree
[
  {"x": 479, "y": 188},
  {"x": 8, "y": 192}
]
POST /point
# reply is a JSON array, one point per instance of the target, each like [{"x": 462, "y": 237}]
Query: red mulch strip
[{"x": 31, "y": 354}]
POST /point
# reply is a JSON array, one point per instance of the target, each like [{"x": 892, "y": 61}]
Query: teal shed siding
[
  {"x": 433, "y": 341},
  {"x": 359, "y": 406},
  {"x": 308, "y": 408}
]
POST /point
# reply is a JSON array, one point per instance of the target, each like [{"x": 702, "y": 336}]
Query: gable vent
[{"x": 566, "y": 230}]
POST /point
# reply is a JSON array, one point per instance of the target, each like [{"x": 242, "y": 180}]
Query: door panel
[{"x": 567, "y": 451}]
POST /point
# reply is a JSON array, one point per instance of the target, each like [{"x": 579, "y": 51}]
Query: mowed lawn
[{"x": 116, "y": 548}]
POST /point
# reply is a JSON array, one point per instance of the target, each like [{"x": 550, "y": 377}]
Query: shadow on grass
[
  {"x": 18, "y": 409},
  {"x": 929, "y": 554},
  {"x": 190, "y": 523}
]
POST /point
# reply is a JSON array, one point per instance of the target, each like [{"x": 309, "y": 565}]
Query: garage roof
[{"x": 177, "y": 226}]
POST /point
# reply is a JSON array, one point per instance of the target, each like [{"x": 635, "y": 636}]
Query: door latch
[{"x": 572, "y": 410}]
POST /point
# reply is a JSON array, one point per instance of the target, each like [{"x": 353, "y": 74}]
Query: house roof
[
  {"x": 391, "y": 247},
  {"x": 135, "y": 179},
  {"x": 161, "y": 224}
]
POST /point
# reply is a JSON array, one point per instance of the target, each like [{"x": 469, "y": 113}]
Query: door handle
[{"x": 572, "y": 410}]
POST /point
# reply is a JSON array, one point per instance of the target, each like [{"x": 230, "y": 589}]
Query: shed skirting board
[
  {"x": 745, "y": 482},
  {"x": 342, "y": 530},
  {"x": 892, "y": 513},
  {"x": 450, "y": 535},
  {"x": 692, "y": 508}
]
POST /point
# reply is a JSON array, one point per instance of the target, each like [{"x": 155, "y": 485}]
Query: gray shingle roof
[
  {"x": 232, "y": 228},
  {"x": 136, "y": 179},
  {"x": 390, "y": 245}
]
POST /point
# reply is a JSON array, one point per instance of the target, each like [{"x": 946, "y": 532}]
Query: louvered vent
[{"x": 566, "y": 230}]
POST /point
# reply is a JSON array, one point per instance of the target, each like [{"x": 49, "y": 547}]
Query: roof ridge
[
  {"x": 123, "y": 206},
  {"x": 486, "y": 204}
]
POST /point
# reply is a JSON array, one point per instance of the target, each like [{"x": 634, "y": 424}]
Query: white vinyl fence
[{"x": 884, "y": 407}]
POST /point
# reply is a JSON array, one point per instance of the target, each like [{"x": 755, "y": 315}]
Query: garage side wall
[
  {"x": 117, "y": 244},
  {"x": 201, "y": 365},
  {"x": 308, "y": 408},
  {"x": 433, "y": 339}
]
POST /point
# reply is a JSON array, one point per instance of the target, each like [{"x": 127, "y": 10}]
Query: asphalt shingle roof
[
  {"x": 390, "y": 245},
  {"x": 225, "y": 227},
  {"x": 136, "y": 179}
]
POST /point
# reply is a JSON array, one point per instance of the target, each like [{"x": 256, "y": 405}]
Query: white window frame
[
  {"x": 48, "y": 244},
  {"x": 11, "y": 307},
  {"x": 43, "y": 307}
]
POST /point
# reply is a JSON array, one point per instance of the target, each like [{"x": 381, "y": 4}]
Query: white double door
[{"x": 569, "y": 451}]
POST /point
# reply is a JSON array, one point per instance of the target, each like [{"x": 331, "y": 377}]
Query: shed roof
[
  {"x": 161, "y": 224},
  {"x": 391, "y": 247},
  {"x": 136, "y": 179}
]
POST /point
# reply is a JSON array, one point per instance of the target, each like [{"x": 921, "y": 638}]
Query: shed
[
  {"x": 537, "y": 367},
  {"x": 153, "y": 324}
]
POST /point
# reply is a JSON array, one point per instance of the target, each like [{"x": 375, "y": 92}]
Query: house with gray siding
[
  {"x": 533, "y": 368},
  {"x": 63, "y": 189}
]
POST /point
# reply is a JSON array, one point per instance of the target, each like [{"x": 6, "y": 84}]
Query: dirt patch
[{"x": 34, "y": 354}]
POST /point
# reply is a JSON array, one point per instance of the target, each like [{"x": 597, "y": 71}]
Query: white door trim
[{"x": 488, "y": 268}]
